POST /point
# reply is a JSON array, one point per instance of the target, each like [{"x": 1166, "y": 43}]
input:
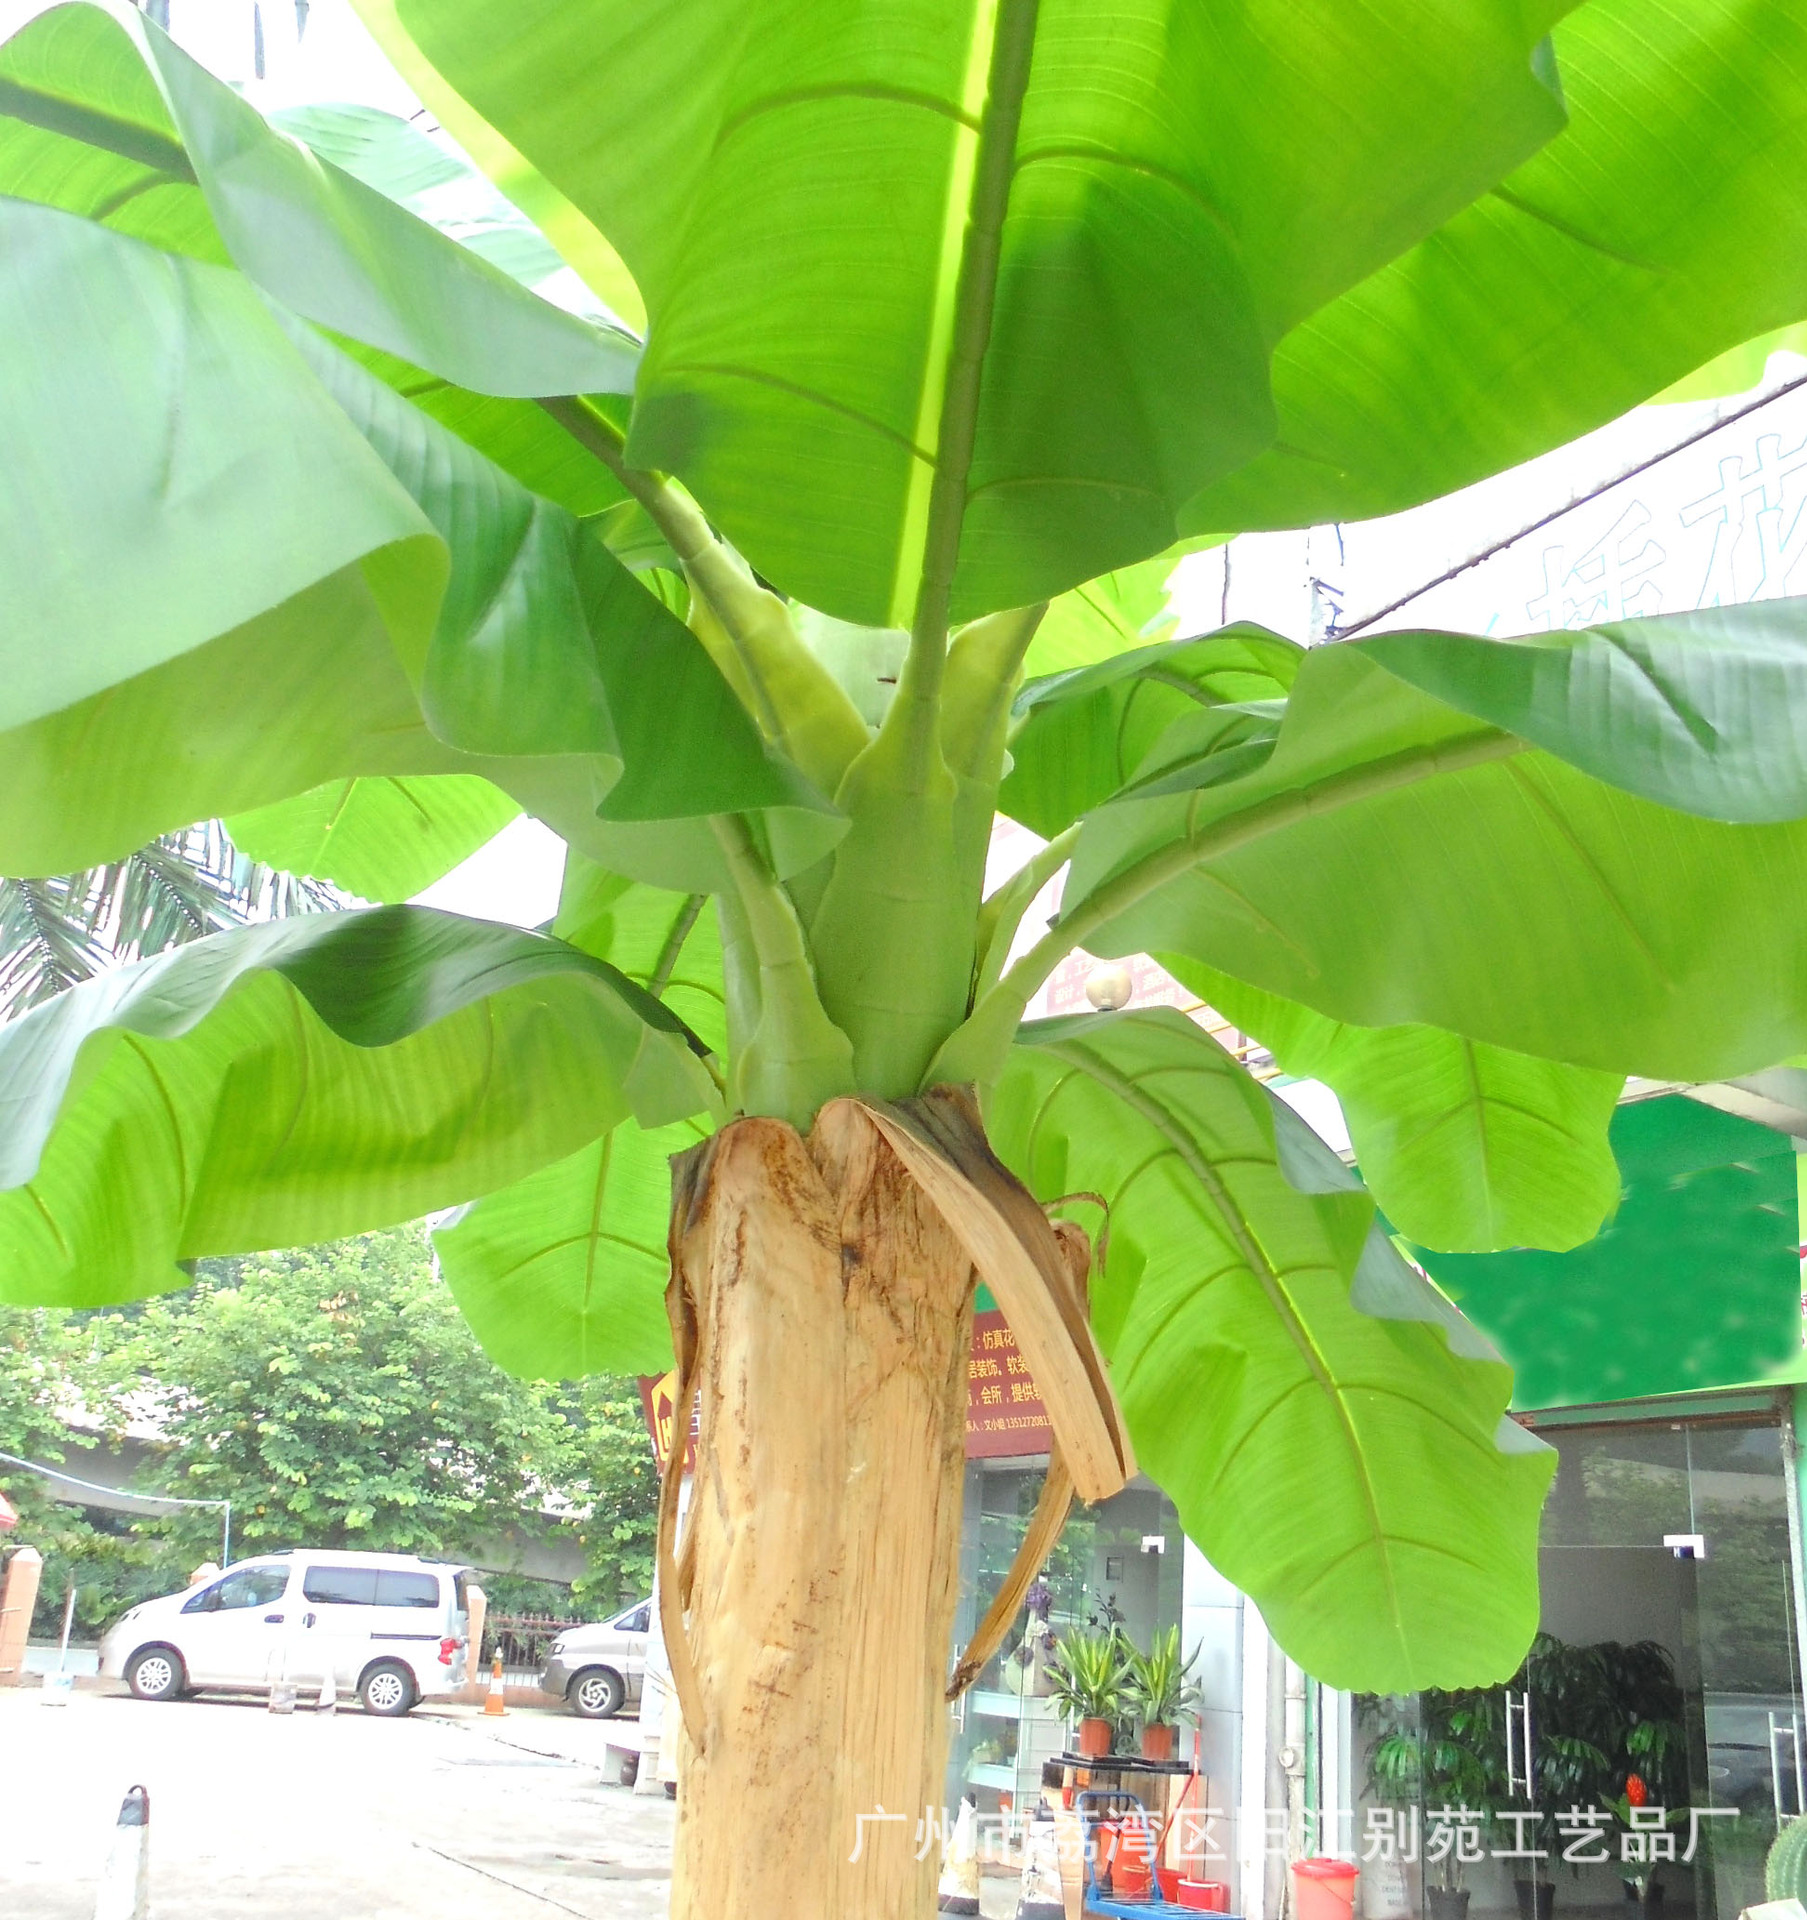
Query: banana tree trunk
[{"x": 823, "y": 1308}]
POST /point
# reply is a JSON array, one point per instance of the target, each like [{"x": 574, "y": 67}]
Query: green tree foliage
[
  {"x": 335, "y": 1396},
  {"x": 611, "y": 1475}
]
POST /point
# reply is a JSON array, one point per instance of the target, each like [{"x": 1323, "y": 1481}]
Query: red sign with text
[{"x": 1004, "y": 1411}]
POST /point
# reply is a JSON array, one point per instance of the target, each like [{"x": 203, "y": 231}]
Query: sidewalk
[
  {"x": 552, "y": 1731},
  {"x": 326, "y": 1817}
]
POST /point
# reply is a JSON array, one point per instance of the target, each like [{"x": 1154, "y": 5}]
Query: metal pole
[
  {"x": 1797, "y": 1547},
  {"x": 226, "y": 1535},
  {"x": 62, "y": 1657}
]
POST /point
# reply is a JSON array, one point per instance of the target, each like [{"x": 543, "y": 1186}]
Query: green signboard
[{"x": 1695, "y": 1281}]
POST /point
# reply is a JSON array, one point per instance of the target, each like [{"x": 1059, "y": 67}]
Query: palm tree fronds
[{"x": 61, "y": 930}]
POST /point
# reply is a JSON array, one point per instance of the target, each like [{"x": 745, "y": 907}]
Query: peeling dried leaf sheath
[
  {"x": 940, "y": 1138},
  {"x": 1051, "y": 1508},
  {"x": 1039, "y": 1536},
  {"x": 689, "y": 1173}
]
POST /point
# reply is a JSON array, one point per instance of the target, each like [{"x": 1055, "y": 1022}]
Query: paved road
[{"x": 261, "y": 1817}]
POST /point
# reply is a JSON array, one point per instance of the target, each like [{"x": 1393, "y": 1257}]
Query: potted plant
[
  {"x": 1088, "y": 1680},
  {"x": 1161, "y": 1689},
  {"x": 1437, "y": 1755},
  {"x": 1648, "y": 1755}
]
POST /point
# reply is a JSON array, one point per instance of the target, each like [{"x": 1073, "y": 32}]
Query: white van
[{"x": 393, "y": 1627}]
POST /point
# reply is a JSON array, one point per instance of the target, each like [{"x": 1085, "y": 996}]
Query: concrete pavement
[{"x": 325, "y": 1818}]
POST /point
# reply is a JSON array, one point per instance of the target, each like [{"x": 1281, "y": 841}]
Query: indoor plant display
[
  {"x": 1090, "y": 1680},
  {"x": 1438, "y": 1754},
  {"x": 1647, "y": 1754},
  {"x": 1161, "y": 1689}
]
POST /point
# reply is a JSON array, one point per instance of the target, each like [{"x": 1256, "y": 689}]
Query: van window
[
  {"x": 248, "y": 1587},
  {"x": 341, "y": 1586},
  {"x": 637, "y": 1621},
  {"x": 407, "y": 1589}
]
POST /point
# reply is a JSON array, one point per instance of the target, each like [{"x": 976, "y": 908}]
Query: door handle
[
  {"x": 1518, "y": 1766},
  {"x": 1785, "y": 1727},
  {"x": 273, "y": 1619},
  {"x": 307, "y": 1619}
]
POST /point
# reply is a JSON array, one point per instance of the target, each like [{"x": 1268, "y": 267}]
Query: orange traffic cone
[{"x": 492, "y": 1703}]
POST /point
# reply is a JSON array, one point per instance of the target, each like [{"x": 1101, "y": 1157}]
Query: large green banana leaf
[
  {"x": 88, "y": 123},
  {"x": 404, "y": 163},
  {"x": 189, "y": 662},
  {"x": 563, "y": 1273},
  {"x": 303, "y": 1079},
  {"x": 382, "y": 839},
  {"x": 595, "y": 261},
  {"x": 1330, "y": 1428},
  {"x": 1457, "y": 246},
  {"x": 1397, "y": 861},
  {"x": 1122, "y": 209},
  {"x": 1662, "y": 226},
  {"x": 105, "y": 113},
  {"x": 1466, "y": 1147}
]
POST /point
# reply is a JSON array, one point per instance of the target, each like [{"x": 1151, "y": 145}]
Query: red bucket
[
  {"x": 1205, "y": 1896},
  {"x": 1132, "y": 1872},
  {"x": 1324, "y": 1889}
]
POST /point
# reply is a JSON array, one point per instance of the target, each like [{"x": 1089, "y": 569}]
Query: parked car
[
  {"x": 600, "y": 1669},
  {"x": 392, "y": 1626}
]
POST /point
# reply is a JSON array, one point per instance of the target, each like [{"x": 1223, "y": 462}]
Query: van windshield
[{"x": 246, "y": 1587}]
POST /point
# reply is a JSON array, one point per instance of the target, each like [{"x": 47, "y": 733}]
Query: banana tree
[{"x": 916, "y": 339}]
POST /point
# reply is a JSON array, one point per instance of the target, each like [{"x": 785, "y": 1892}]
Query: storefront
[
  {"x": 1671, "y": 1617},
  {"x": 1651, "y": 1745},
  {"x": 1119, "y": 1563},
  {"x": 1668, "y": 1651}
]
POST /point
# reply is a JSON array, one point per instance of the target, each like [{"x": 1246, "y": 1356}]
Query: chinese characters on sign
[
  {"x": 1196, "y": 1835},
  {"x": 1005, "y": 1417},
  {"x": 1004, "y": 1411},
  {"x": 1649, "y": 1835},
  {"x": 1458, "y": 1835}
]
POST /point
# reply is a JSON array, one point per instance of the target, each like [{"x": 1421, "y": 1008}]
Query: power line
[
  {"x": 1569, "y": 506},
  {"x": 162, "y": 1500}
]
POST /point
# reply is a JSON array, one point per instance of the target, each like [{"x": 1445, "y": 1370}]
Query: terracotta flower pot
[
  {"x": 1094, "y": 1739},
  {"x": 1158, "y": 1742}
]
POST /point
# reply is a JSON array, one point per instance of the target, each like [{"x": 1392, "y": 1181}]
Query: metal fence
[{"x": 523, "y": 1640}]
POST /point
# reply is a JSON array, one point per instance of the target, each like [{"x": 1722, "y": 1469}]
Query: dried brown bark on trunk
[{"x": 825, "y": 1309}]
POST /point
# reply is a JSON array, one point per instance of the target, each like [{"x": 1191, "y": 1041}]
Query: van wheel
[
  {"x": 155, "y": 1673},
  {"x": 387, "y": 1689},
  {"x": 597, "y": 1693}
]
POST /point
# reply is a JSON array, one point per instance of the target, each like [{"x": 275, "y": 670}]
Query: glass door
[
  {"x": 1642, "y": 1759},
  {"x": 1665, "y": 1679}
]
